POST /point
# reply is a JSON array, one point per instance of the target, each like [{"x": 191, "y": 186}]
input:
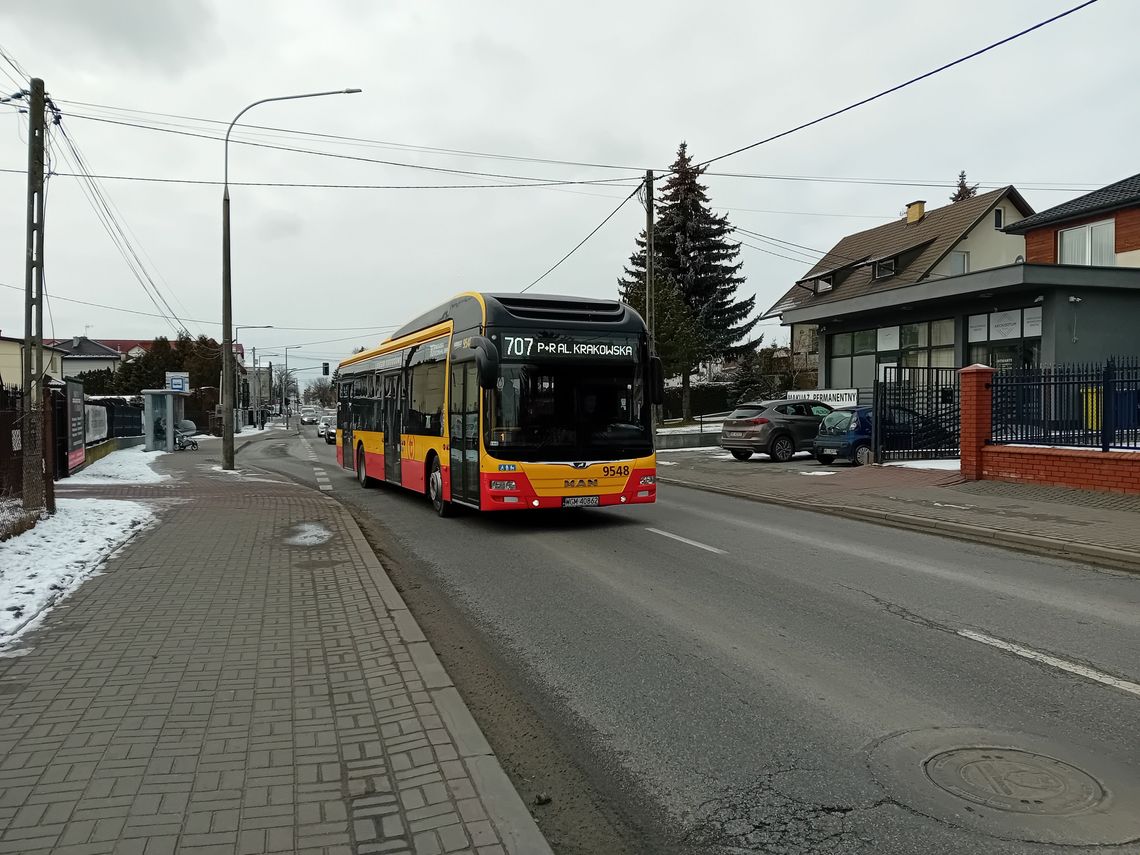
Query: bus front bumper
[{"x": 640, "y": 489}]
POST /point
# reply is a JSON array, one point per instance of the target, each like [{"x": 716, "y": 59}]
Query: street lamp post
[
  {"x": 238, "y": 329},
  {"x": 285, "y": 384},
  {"x": 227, "y": 315}
]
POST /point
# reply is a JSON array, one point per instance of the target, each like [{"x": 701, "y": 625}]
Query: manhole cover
[
  {"x": 1014, "y": 786},
  {"x": 1008, "y": 779}
]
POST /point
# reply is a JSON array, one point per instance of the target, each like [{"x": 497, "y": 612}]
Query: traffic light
[{"x": 325, "y": 368}]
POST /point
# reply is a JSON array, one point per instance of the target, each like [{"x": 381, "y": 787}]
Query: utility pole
[
  {"x": 650, "y": 296},
  {"x": 33, "y": 363}
]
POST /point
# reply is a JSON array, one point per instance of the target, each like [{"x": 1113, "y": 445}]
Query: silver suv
[{"x": 776, "y": 428}]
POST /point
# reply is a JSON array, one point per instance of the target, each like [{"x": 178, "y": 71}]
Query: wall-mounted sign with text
[{"x": 834, "y": 397}]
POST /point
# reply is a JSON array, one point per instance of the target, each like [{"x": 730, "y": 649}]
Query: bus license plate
[{"x": 579, "y": 501}]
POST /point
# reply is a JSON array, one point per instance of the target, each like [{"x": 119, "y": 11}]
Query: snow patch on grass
[{"x": 41, "y": 566}]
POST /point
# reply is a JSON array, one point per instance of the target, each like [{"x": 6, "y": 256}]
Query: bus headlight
[
  {"x": 646, "y": 480},
  {"x": 502, "y": 485}
]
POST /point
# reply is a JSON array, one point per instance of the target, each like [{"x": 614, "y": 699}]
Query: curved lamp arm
[{"x": 266, "y": 101}]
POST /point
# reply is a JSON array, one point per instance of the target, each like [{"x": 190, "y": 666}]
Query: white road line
[
  {"x": 1045, "y": 658},
  {"x": 695, "y": 543}
]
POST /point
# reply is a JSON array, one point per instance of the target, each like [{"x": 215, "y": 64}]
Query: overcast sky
[{"x": 616, "y": 83}]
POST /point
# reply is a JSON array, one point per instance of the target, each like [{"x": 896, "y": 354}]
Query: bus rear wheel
[{"x": 435, "y": 489}]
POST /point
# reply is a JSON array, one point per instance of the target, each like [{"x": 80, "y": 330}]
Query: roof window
[{"x": 884, "y": 269}]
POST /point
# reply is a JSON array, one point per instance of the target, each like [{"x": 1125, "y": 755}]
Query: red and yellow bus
[{"x": 506, "y": 402}]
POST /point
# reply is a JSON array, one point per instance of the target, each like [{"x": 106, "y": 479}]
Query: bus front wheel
[
  {"x": 361, "y": 468},
  {"x": 435, "y": 489}
]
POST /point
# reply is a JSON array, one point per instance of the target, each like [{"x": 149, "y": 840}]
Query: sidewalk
[
  {"x": 242, "y": 678},
  {"x": 1099, "y": 528}
]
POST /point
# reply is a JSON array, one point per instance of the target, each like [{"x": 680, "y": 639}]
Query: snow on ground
[
  {"x": 125, "y": 466},
  {"x": 941, "y": 465},
  {"x": 248, "y": 430},
  {"x": 709, "y": 427},
  {"x": 308, "y": 534},
  {"x": 706, "y": 449},
  {"x": 45, "y": 564}
]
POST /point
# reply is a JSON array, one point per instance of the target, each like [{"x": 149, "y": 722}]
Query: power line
[
  {"x": 578, "y": 246},
  {"x": 899, "y": 86},
  {"x": 197, "y": 320},
  {"x": 115, "y": 231},
  {"x": 359, "y": 158},
  {"x": 373, "y": 143},
  {"x": 1042, "y": 186},
  {"x": 455, "y": 152},
  {"x": 215, "y": 183}
]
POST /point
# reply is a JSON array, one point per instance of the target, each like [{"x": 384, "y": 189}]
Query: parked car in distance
[
  {"x": 308, "y": 415},
  {"x": 326, "y": 427},
  {"x": 846, "y": 434},
  {"x": 776, "y": 428}
]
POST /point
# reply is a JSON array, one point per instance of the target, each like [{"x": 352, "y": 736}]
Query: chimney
[{"x": 915, "y": 211}]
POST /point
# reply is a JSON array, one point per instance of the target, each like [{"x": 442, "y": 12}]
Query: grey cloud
[{"x": 167, "y": 37}]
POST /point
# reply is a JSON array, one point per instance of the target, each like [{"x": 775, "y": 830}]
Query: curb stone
[{"x": 1088, "y": 553}]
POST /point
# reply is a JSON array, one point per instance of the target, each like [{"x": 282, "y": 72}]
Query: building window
[
  {"x": 999, "y": 218},
  {"x": 883, "y": 269},
  {"x": 824, "y": 283},
  {"x": 959, "y": 263},
  {"x": 1094, "y": 244}
]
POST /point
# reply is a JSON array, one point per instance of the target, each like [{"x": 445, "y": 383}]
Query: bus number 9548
[{"x": 614, "y": 471}]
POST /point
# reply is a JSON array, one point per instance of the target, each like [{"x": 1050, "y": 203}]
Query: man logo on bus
[{"x": 580, "y": 482}]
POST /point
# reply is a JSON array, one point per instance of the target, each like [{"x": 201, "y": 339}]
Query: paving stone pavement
[
  {"x": 1083, "y": 520},
  {"x": 243, "y": 678}
]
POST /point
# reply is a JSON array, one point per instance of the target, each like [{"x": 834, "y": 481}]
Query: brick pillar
[{"x": 976, "y": 401}]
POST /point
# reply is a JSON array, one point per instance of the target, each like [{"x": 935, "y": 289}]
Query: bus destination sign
[{"x": 543, "y": 346}]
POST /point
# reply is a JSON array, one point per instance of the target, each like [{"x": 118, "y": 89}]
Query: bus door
[
  {"x": 344, "y": 419},
  {"x": 392, "y": 427},
  {"x": 463, "y": 424}
]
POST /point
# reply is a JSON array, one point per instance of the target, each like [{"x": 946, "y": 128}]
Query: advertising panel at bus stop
[{"x": 76, "y": 425}]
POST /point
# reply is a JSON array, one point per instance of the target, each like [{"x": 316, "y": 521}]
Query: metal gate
[{"x": 916, "y": 414}]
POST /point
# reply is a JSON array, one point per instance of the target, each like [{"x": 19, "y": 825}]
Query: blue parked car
[{"x": 846, "y": 434}]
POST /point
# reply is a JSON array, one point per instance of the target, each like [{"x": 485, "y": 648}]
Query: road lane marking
[
  {"x": 695, "y": 543},
  {"x": 1045, "y": 658}
]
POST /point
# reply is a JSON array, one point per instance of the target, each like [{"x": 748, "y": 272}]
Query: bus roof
[{"x": 474, "y": 311}]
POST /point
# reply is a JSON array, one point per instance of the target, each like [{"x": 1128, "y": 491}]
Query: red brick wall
[
  {"x": 1106, "y": 471},
  {"x": 1041, "y": 244}
]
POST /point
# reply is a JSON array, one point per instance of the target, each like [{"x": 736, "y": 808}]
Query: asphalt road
[{"x": 717, "y": 675}]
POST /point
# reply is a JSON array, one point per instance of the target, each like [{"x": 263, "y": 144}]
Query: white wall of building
[{"x": 987, "y": 246}]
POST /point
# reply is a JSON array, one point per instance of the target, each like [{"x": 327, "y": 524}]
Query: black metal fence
[
  {"x": 917, "y": 416},
  {"x": 123, "y": 417},
  {"x": 11, "y": 444},
  {"x": 1076, "y": 405}
]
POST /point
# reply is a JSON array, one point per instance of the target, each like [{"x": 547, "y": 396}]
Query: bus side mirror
[
  {"x": 657, "y": 380},
  {"x": 486, "y": 361}
]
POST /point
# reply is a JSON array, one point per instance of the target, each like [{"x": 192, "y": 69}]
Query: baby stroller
[{"x": 184, "y": 436}]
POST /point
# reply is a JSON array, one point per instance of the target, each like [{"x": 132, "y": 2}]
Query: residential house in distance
[
  {"x": 12, "y": 361},
  {"x": 86, "y": 354},
  {"x": 951, "y": 287},
  {"x": 130, "y": 348}
]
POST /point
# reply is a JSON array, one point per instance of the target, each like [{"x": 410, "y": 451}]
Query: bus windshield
[{"x": 567, "y": 411}]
